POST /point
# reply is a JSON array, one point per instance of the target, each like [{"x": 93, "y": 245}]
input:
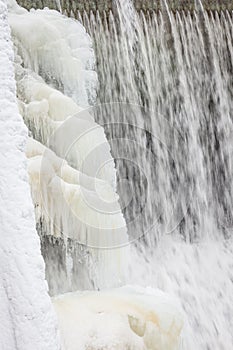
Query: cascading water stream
[
  {"x": 153, "y": 61},
  {"x": 165, "y": 89}
]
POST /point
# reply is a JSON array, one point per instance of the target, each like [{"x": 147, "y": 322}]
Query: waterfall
[
  {"x": 171, "y": 75},
  {"x": 165, "y": 89},
  {"x": 156, "y": 128}
]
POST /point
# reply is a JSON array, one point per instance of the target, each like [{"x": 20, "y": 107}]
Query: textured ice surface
[
  {"x": 58, "y": 49},
  {"x": 26, "y": 313},
  {"x": 130, "y": 318},
  {"x": 80, "y": 207},
  {"x": 73, "y": 184},
  {"x": 58, "y": 122},
  {"x": 55, "y": 184}
]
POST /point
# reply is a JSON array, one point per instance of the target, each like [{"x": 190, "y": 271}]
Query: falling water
[
  {"x": 165, "y": 90},
  {"x": 172, "y": 74},
  {"x": 58, "y": 3}
]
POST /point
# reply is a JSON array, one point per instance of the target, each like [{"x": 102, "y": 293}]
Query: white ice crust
[
  {"x": 27, "y": 317},
  {"x": 58, "y": 49}
]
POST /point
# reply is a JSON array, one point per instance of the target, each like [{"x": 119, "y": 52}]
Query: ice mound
[{"x": 129, "y": 318}]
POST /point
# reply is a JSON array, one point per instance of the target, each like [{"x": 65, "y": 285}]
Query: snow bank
[
  {"x": 130, "y": 318},
  {"x": 27, "y": 318}
]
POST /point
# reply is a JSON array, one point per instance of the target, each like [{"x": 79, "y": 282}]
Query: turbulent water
[{"x": 165, "y": 101}]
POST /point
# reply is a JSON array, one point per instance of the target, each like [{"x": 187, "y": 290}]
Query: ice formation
[
  {"x": 60, "y": 51},
  {"x": 74, "y": 205},
  {"x": 130, "y": 318},
  {"x": 82, "y": 193},
  {"x": 58, "y": 122},
  {"x": 27, "y": 317},
  {"x": 73, "y": 176},
  {"x": 76, "y": 202}
]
